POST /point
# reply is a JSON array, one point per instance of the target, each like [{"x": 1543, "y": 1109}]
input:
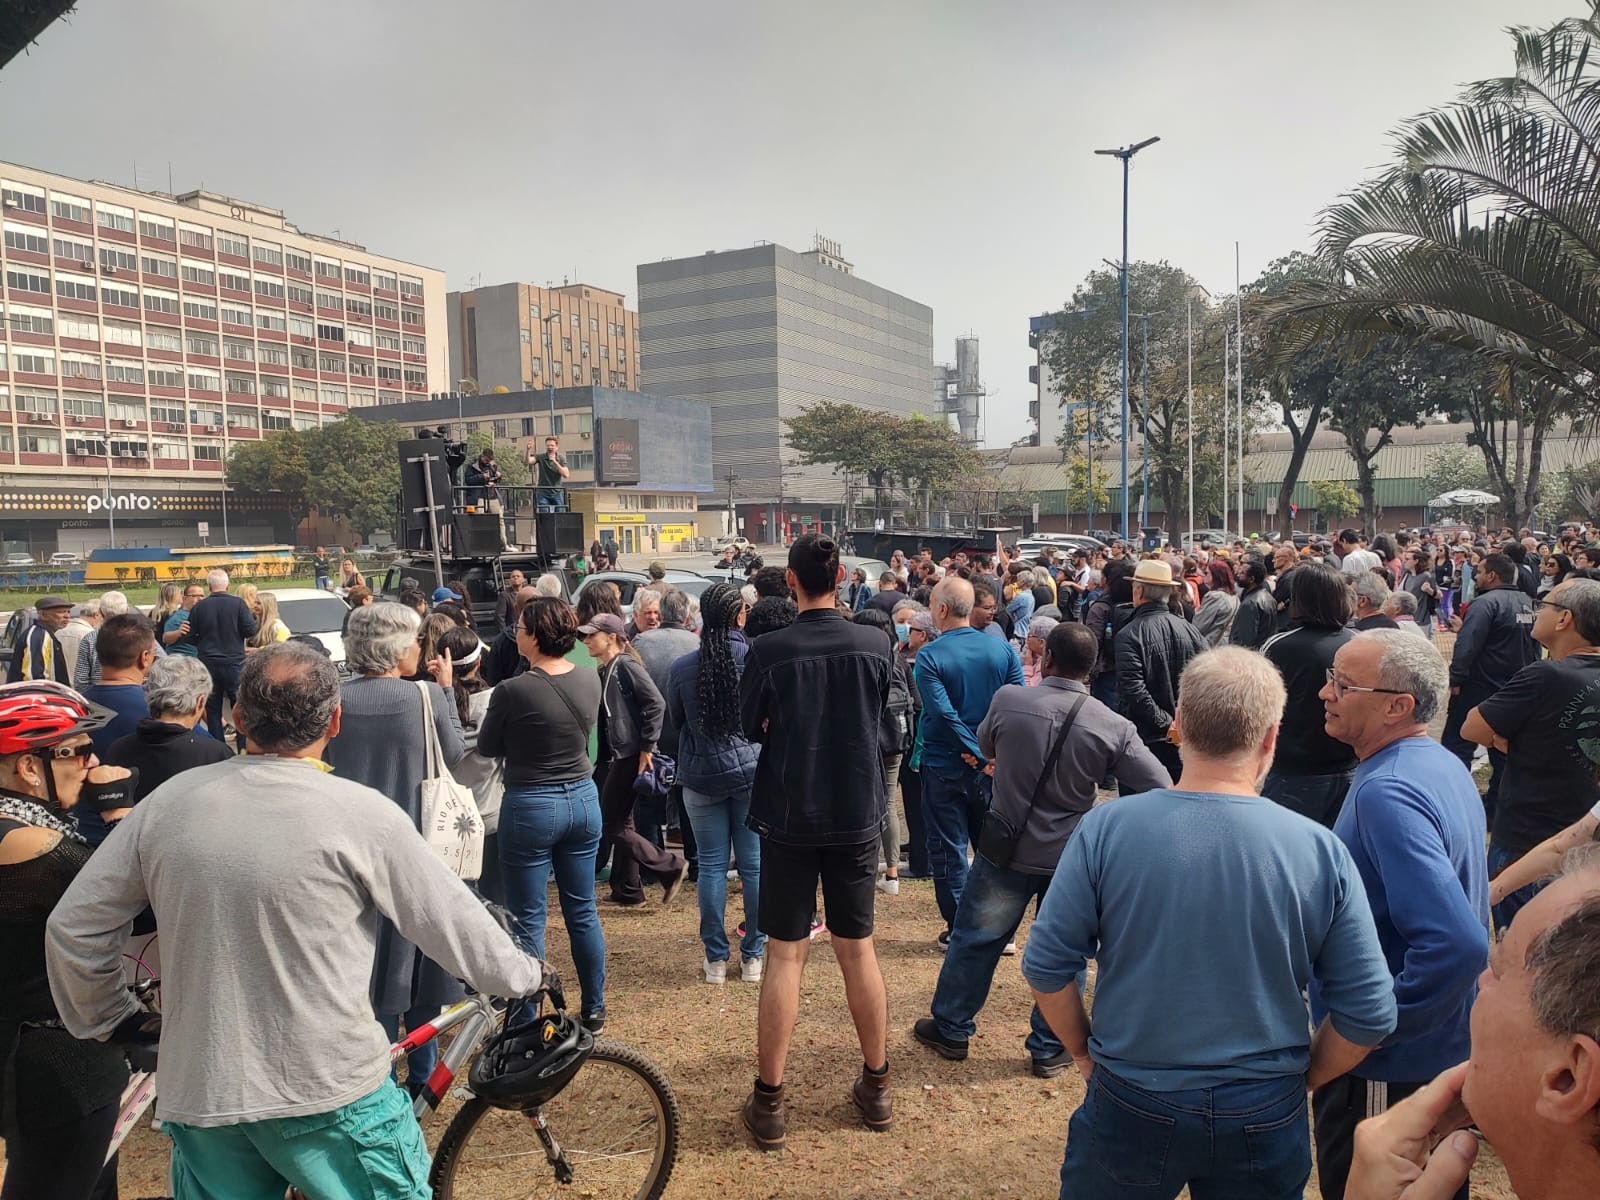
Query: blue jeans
[
  {"x": 718, "y": 822},
  {"x": 421, "y": 1061},
  {"x": 1239, "y": 1141},
  {"x": 954, "y": 800},
  {"x": 322, "y": 583},
  {"x": 991, "y": 909},
  {"x": 549, "y": 500},
  {"x": 1319, "y": 797},
  {"x": 1508, "y": 908},
  {"x": 556, "y": 825}
]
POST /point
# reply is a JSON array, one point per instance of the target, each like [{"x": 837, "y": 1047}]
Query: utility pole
[
  {"x": 733, "y": 520},
  {"x": 1238, "y": 363}
]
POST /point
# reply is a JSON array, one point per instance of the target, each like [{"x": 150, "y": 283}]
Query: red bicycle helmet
[{"x": 38, "y": 713}]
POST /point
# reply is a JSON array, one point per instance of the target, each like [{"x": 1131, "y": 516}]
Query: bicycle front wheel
[{"x": 616, "y": 1125}]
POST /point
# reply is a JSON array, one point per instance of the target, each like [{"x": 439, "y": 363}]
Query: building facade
[
  {"x": 658, "y": 513},
  {"x": 762, "y": 333},
  {"x": 521, "y": 337},
  {"x": 145, "y": 333}
]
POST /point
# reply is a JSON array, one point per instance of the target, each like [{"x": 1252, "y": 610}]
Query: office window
[
  {"x": 386, "y": 281},
  {"x": 385, "y": 312},
  {"x": 305, "y": 393},
  {"x": 113, "y": 259},
  {"x": 533, "y": 311},
  {"x": 555, "y": 369},
  {"x": 300, "y": 294},
  {"x": 329, "y": 331},
  {"x": 302, "y": 326},
  {"x": 116, "y": 333},
  {"x": 152, "y": 226},
  {"x": 356, "y": 273},
  {"x": 266, "y": 352},
  {"x": 585, "y": 349},
  {"x": 233, "y": 281},
  {"x": 191, "y": 271},
  {"x": 566, "y": 345},
  {"x": 241, "y": 385},
  {"x": 580, "y": 460},
  {"x": 414, "y": 345},
  {"x": 266, "y": 252},
  {"x": 156, "y": 338},
  {"x": 387, "y": 341},
  {"x": 168, "y": 412},
  {"x": 126, "y": 409},
  {"x": 31, "y": 358},
  {"x": 163, "y": 376},
  {"x": 275, "y": 389},
  {"x": 21, "y": 279},
  {"x": 498, "y": 428},
  {"x": 274, "y": 420},
  {"x": 334, "y": 395},
  {"x": 159, "y": 264},
  {"x": 526, "y": 335},
  {"x": 358, "y": 307},
  {"x": 207, "y": 451},
  {"x": 594, "y": 376},
  {"x": 30, "y": 442},
  {"x": 362, "y": 367},
  {"x": 416, "y": 377},
  {"x": 238, "y": 351},
  {"x": 411, "y": 316},
  {"x": 311, "y": 421},
  {"x": 78, "y": 249},
  {"x": 577, "y": 321},
  {"x": 389, "y": 373},
  {"x": 536, "y": 365},
  {"x": 594, "y": 324},
  {"x": 75, "y": 287},
  {"x": 205, "y": 414},
  {"x": 124, "y": 370},
  {"x": 605, "y": 351},
  {"x": 228, "y": 244},
  {"x": 297, "y": 261},
  {"x": 330, "y": 300},
  {"x": 267, "y": 319},
  {"x": 331, "y": 363},
  {"x": 410, "y": 286},
  {"x": 586, "y": 422},
  {"x": 159, "y": 301},
  {"x": 205, "y": 380},
  {"x": 328, "y": 269},
  {"x": 202, "y": 344},
  {"x": 243, "y": 418},
  {"x": 195, "y": 237},
  {"x": 22, "y": 195},
  {"x": 26, "y": 237},
  {"x": 69, "y": 208},
  {"x": 36, "y": 402},
  {"x": 361, "y": 397},
  {"x": 75, "y": 365},
  {"x": 271, "y": 288},
  {"x": 127, "y": 297},
  {"x": 112, "y": 216},
  {"x": 306, "y": 360},
  {"x": 25, "y": 319},
  {"x": 357, "y": 336},
  {"x": 234, "y": 315},
  {"x": 75, "y": 325}
]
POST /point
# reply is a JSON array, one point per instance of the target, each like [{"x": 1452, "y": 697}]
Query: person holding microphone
[{"x": 551, "y": 474}]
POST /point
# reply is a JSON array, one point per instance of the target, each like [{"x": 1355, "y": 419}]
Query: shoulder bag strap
[
  {"x": 565, "y": 699},
  {"x": 433, "y": 752},
  {"x": 1054, "y": 755}
]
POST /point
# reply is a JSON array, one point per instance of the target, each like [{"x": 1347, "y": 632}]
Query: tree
[
  {"x": 1450, "y": 468},
  {"x": 1086, "y": 487},
  {"x": 1335, "y": 499},
  {"x": 277, "y": 465},
  {"x": 1485, "y": 236},
  {"x": 1372, "y": 396},
  {"x": 1574, "y": 495},
  {"x": 884, "y": 448}
]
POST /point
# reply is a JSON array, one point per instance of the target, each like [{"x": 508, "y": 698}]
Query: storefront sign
[
  {"x": 619, "y": 519},
  {"x": 616, "y": 457}
]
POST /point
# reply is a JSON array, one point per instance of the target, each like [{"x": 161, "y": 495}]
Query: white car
[
  {"x": 737, "y": 541},
  {"x": 19, "y": 560},
  {"x": 321, "y": 614},
  {"x": 64, "y": 558}
]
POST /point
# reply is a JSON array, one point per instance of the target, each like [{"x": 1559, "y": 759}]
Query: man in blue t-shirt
[
  {"x": 1201, "y": 1051},
  {"x": 126, "y": 645},
  {"x": 176, "y": 635},
  {"x": 1414, "y": 824}
]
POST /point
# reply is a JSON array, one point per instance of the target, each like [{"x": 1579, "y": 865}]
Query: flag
[{"x": 1294, "y": 510}]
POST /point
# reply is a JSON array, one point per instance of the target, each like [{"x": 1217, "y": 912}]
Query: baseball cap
[
  {"x": 441, "y": 594},
  {"x": 604, "y": 623}
]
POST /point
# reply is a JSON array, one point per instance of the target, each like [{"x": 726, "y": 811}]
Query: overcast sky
[{"x": 947, "y": 146}]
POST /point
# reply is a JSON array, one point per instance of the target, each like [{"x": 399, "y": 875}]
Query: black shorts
[{"x": 789, "y": 876}]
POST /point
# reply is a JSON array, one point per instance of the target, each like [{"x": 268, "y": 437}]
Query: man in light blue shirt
[{"x": 1209, "y": 910}]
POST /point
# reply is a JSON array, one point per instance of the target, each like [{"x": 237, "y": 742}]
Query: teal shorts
[{"x": 369, "y": 1150}]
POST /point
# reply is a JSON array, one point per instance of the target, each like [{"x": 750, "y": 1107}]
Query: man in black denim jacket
[{"x": 812, "y": 696}]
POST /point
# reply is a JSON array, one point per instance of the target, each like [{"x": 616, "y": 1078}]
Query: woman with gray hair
[
  {"x": 166, "y": 743},
  {"x": 382, "y": 744}
]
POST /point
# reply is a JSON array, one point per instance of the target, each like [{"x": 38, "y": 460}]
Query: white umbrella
[{"x": 1464, "y": 498}]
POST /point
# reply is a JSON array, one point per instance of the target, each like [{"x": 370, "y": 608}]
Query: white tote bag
[{"x": 450, "y": 820}]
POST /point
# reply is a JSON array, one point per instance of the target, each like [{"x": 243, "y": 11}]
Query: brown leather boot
[
  {"x": 872, "y": 1096},
  {"x": 763, "y": 1117}
]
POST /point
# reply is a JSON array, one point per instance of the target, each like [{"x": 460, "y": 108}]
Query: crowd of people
[{"x": 1212, "y": 775}]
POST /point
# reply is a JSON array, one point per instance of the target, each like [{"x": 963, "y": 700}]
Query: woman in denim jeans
[
  {"x": 539, "y": 722},
  {"x": 716, "y": 767}
]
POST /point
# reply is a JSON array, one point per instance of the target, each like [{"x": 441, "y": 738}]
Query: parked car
[
  {"x": 737, "y": 541},
  {"x": 17, "y": 624},
  {"x": 874, "y": 568},
  {"x": 321, "y": 614},
  {"x": 19, "y": 560},
  {"x": 65, "y": 558},
  {"x": 629, "y": 582},
  {"x": 1210, "y": 537}
]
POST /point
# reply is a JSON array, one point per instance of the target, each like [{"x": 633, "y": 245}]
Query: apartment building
[
  {"x": 142, "y": 334},
  {"x": 521, "y": 337}
]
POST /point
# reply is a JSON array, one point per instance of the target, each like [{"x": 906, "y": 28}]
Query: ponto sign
[{"x": 96, "y": 504}]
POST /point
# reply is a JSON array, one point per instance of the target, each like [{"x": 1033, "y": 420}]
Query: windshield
[{"x": 315, "y": 614}]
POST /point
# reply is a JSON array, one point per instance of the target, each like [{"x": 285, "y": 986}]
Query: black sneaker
[
  {"x": 927, "y": 1032},
  {"x": 1049, "y": 1068},
  {"x": 944, "y": 940},
  {"x": 594, "y": 1023}
]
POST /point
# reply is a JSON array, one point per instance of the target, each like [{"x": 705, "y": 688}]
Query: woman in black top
[
  {"x": 58, "y": 1096},
  {"x": 1311, "y": 771},
  {"x": 539, "y": 723}
]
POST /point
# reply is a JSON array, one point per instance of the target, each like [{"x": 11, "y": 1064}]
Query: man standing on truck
[{"x": 551, "y": 496}]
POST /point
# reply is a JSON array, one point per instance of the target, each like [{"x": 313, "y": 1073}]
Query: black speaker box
[
  {"x": 559, "y": 532},
  {"x": 477, "y": 535}
]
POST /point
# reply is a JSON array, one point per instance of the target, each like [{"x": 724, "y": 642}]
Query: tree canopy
[{"x": 885, "y": 449}]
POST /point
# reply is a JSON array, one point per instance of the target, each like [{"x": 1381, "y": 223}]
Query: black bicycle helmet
[{"x": 526, "y": 1064}]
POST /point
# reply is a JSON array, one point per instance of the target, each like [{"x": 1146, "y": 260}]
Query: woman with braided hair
[{"x": 716, "y": 768}]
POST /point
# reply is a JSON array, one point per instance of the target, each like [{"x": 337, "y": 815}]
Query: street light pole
[
  {"x": 1126, "y": 154},
  {"x": 1144, "y": 422},
  {"x": 1238, "y": 366}
]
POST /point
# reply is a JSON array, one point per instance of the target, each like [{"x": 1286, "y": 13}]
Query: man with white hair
[
  {"x": 1372, "y": 593},
  {"x": 86, "y": 660},
  {"x": 1206, "y": 1084},
  {"x": 220, "y": 625},
  {"x": 84, "y": 621},
  {"x": 547, "y": 585},
  {"x": 1401, "y": 608},
  {"x": 1414, "y": 824}
]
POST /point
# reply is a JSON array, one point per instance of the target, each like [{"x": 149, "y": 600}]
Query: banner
[{"x": 616, "y": 457}]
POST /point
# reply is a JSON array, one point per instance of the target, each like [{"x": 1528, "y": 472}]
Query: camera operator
[
  {"x": 483, "y": 492},
  {"x": 551, "y": 472}
]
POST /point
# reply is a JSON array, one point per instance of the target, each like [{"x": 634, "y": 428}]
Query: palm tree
[{"x": 1485, "y": 235}]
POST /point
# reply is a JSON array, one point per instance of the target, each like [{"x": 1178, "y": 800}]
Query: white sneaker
[
  {"x": 1009, "y": 950},
  {"x": 750, "y": 969},
  {"x": 716, "y": 972},
  {"x": 889, "y": 887}
]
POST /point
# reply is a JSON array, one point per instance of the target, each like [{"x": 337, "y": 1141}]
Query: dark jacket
[
  {"x": 660, "y": 648},
  {"x": 1152, "y": 650},
  {"x": 158, "y": 750},
  {"x": 712, "y": 766},
  {"x": 1256, "y": 620},
  {"x": 220, "y": 625},
  {"x": 812, "y": 695},
  {"x": 1495, "y": 641},
  {"x": 502, "y": 660},
  {"x": 885, "y": 600},
  {"x": 630, "y": 706}
]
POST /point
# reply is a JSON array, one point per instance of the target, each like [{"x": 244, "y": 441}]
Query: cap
[
  {"x": 441, "y": 594},
  {"x": 45, "y": 602},
  {"x": 1152, "y": 570},
  {"x": 604, "y": 623}
]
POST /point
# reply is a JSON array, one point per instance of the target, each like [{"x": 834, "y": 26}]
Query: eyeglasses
[
  {"x": 1542, "y": 604},
  {"x": 1340, "y": 687},
  {"x": 82, "y": 753}
]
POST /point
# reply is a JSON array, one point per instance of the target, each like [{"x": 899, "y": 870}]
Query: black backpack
[{"x": 897, "y": 730}]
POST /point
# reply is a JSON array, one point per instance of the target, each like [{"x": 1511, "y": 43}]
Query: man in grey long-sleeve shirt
[
  {"x": 1017, "y": 735},
  {"x": 268, "y": 918}
]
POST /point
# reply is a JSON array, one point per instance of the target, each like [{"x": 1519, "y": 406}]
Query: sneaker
[
  {"x": 889, "y": 887},
  {"x": 750, "y": 969},
  {"x": 1049, "y": 1068},
  {"x": 739, "y": 932},
  {"x": 595, "y": 1023},
  {"x": 674, "y": 885},
  {"x": 1009, "y": 950},
  {"x": 927, "y": 1032},
  {"x": 613, "y": 902},
  {"x": 817, "y": 928},
  {"x": 943, "y": 940},
  {"x": 733, "y": 873},
  {"x": 716, "y": 972}
]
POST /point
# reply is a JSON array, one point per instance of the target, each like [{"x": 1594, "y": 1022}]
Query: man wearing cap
[
  {"x": 37, "y": 654},
  {"x": 443, "y": 595},
  {"x": 1152, "y": 650}
]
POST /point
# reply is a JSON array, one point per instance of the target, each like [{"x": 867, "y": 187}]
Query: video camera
[{"x": 455, "y": 453}]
